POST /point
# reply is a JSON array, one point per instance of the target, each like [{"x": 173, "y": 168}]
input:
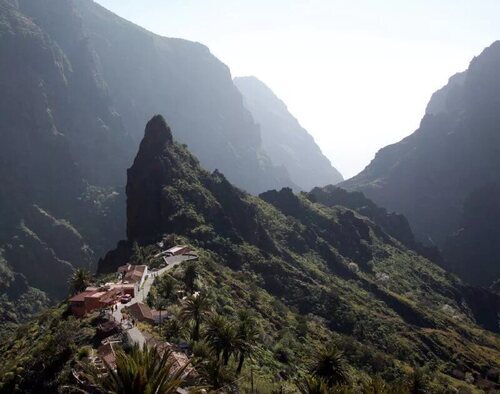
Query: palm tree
[
  {"x": 160, "y": 305},
  {"x": 138, "y": 372},
  {"x": 195, "y": 308},
  {"x": 80, "y": 280},
  {"x": 247, "y": 337},
  {"x": 165, "y": 286},
  {"x": 215, "y": 374},
  {"x": 190, "y": 275},
  {"x": 221, "y": 335},
  {"x": 174, "y": 330},
  {"x": 329, "y": 364}
]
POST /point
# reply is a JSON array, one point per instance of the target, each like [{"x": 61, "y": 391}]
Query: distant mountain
[
  {"x": 455, "y": 154},
  {"x": 284, "y": 140},
  {"x": 76, "y": 83}
]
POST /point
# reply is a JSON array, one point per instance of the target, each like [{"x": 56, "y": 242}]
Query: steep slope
[
  {"x": 332, "y": 264},
  {"x": 474, "y": 251},
  {"x": 393, "y": 224},
  {"x": 71, "y": 99},
  {"x": 455, "y": 152},
  {"x": 285, "y": 141},
  {"x": 183, "y": 80},
  {"x": 56, "y": 131}
]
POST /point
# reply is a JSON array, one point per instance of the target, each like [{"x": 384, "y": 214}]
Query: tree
[
  {"x": 313, "y": 385},
  {"x": 215, "y": 374},
  {"x": 221, "y": 335},
  {"x": 329, "y": 364},
  {"x": 247, "y": 337},
  {"x": 418, "y": 382},
  {"x": 190, "y": 275},
  {"x": 140, "y": 371},
  {"x": 140, "y": 255},
  {"x": 160, "y": 305},
  {"x": 165, "y": 286},
  {"x": 80, "y": 280},
  {"x": 174, "y": 330},
  {"x": 195, "y": 308}
]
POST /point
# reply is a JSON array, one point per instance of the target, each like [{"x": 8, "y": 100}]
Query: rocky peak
[
  {"x": 157, "y": 132},
  {"x": 145, "y": 180}
]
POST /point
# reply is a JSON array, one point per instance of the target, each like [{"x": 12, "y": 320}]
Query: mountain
[
  {"x": 62, "y": 147},
  {"x": 328, "y": 264},
  {"x": 284, "y": 140},
  {"x": 76, "y": 83},
  {"x": 454, "y": 155},
  {"x": 183, "y": 80}
]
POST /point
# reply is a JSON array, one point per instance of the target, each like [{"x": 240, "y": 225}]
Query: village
[{"x": 122, "y": 305}]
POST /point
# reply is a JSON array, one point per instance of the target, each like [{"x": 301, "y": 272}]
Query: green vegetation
[
  {"x": 39, "y": 355},
  {"x": 79, "y": 280},
  {"x": 139, "y": 371},
  {"x": 289, "y": 295},
  {"x": 310, "y": 274}
]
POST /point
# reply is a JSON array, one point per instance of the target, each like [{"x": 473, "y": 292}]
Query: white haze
[{"x": 357, "y": 74}]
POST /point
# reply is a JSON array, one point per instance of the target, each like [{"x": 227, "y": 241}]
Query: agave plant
[
  {"x": 141, "y": 371},
  {"x": 329, "y": 364}
]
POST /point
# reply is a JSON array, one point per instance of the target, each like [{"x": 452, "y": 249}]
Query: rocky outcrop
[
  {"x": 286, "y": 142},
  {"x": 145, "y": 181},
  {"x": 456, "y": 151}
]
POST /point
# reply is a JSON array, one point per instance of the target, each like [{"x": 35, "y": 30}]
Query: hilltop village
[{"x": 124, "y": 313}]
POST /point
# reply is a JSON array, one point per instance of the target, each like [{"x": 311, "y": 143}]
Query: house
[
  {"x": 125, "y": 288},
  {"x": 141, "y": 312},
  {"x": 179, "y": 250},
  {"x": 133, "y": 273},
  {"x": 178, "y": 358},
  {"x": 93, "y": 298},
  {"x": 108, "y": 354}
]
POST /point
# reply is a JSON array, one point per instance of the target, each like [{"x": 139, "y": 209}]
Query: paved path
[{"x": 135, "y": 335}]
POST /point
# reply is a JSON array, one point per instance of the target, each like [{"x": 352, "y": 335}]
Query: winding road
[{"x": 134, "y": 334}]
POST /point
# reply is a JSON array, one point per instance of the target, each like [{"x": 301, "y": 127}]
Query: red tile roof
[
  {"x": 80, "y": 297},
  {"x": 140, "y": 311}
]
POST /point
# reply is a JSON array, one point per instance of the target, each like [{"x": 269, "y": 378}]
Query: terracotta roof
[
  {"x": 135, "y": 273},
  {"x": 107, "y": 353},
  {"x": 140, "y": 311},
  {"x": 80, "y": 297}
]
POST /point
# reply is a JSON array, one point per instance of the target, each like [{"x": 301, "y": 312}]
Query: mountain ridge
[
  {"x": 430, "y": 174},
  {"x": 286, "y": 142}
]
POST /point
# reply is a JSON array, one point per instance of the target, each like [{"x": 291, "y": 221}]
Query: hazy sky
[{"x": 357, "y": 74}]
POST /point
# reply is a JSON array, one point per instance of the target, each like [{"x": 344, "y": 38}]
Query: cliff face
[
  {"x": 285, "y": 141},
  {"x": 72, "y": 97},
  {"x": 190, "y": 86},
  {"x": 456, "y": 151},
  {"x": 55, "y": 125}
]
